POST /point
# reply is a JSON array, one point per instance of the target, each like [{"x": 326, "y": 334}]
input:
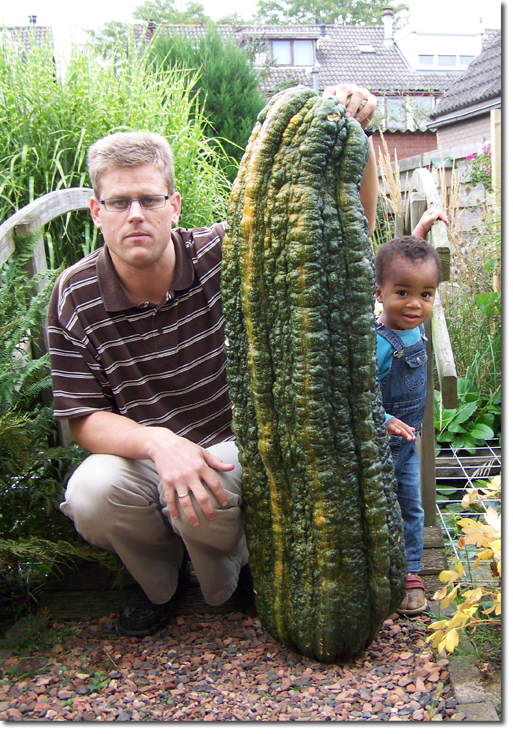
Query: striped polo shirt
[{"x": 160, "y": 365}]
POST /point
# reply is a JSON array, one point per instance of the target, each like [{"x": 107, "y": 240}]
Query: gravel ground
[{"x": 212, "y": 667}]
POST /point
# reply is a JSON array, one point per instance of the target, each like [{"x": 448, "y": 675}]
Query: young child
[{"x": 408, "y": 271}]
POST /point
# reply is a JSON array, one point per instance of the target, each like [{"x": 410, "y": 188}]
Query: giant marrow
[{"x": 323, "y": 524}]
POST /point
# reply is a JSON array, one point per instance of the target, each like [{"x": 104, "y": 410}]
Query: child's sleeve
[{"x": 385, "y": 355}]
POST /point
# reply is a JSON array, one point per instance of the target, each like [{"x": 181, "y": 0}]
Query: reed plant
[
  {"x": 391, "y": 199},
  {"x": 48, "y": 120}
]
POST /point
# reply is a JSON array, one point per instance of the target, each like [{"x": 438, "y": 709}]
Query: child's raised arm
[{"x": 426, "y": 222}]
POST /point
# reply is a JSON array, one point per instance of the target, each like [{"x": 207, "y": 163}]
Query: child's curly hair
[{"x": 409, "y": 248}]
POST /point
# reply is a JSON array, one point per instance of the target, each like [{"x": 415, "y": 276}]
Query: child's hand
[
  {"x": 395, "y": 427},
  {"x": 426, "y": 221}
]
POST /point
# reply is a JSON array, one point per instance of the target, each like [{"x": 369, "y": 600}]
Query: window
[
  {"x": 408, "y": 112},
  {"x": 418, "y": 109},
  {"x": 396, "y": 112},
  {"x": 293, "y": 53},
  {"x": 303, "y": 53},
  {"x": 366, "y": 48},
  {"x": 465, "y": 60},
  {"x": 426, "y": 60},
  {"x": 449, "y": 60}
]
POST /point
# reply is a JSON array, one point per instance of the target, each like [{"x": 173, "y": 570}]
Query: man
[{"x": 137, "y": 346}]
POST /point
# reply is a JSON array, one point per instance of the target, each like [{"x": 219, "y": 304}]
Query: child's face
[{"x": 408, "y": 293}]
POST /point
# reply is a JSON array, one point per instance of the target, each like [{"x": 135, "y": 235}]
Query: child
[{"x": 408, "y": 271}]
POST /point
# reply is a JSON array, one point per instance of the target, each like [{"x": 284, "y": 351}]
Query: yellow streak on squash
[{"x": 265, "y": 431}]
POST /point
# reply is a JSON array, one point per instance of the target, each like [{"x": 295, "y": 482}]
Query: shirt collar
[{"x": 114, "y": 297}]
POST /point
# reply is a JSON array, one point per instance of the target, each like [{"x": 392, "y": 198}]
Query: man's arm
[
  {"x": 181, "y": 464},
  {"x": 369, "y": 189},
  {"x": 361, "y": 105}
]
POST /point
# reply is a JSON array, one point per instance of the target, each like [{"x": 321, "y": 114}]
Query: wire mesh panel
[{"x": 459, "y": 472}]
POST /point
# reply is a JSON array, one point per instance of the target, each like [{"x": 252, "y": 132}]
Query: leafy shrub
[
  {"x": 479, "y": 169},
  {"x": 48, "y": 120},
  {"x": 34, "y": 534},
  {"x": 477, "y": 418},
  {"x": 224, "y": 78}
]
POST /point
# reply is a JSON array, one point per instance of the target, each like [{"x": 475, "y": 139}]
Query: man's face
[{"x": 137, "y": 238}]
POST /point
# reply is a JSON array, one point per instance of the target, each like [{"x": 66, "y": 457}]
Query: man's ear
[
  {"x": 95, "y": 208},
  {"x": 176, "y": 203}
]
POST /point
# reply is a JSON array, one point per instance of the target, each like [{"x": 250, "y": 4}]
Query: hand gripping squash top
[{"x": 323, "y": 524}]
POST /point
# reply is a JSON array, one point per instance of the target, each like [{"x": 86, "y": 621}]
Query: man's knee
[{"x": 102, "y": 488}]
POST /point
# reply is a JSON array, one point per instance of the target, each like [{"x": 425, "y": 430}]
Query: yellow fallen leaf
[
  {"x": 447, "y": 577},
  {"x": 493, "y": 519},
  {"x": 452, "y": 640}
]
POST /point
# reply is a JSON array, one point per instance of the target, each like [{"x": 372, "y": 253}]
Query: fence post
[{"x": 31, "y": 219}]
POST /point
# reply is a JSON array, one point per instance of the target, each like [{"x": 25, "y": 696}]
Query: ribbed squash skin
[{"x": 323, "y": 524}]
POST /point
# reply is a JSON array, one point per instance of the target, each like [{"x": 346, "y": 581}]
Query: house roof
[
  {"x": 29, "y": 35},
  {"x": 339, "y": 57},
  {"x": 480, "y": 83}
]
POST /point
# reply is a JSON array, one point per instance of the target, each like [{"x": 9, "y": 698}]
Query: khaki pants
[{"x": 119, "y": 504}]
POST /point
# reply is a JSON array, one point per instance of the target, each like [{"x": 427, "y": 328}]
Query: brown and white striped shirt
[{"x": 158, "y": 365}]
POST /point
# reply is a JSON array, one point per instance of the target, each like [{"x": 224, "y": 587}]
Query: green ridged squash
[{"x": 323, "y": 524}]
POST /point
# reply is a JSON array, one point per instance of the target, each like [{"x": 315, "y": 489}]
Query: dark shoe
[
  {"x": 140, "y": 617},
  {"x": 245, "y": 582}
]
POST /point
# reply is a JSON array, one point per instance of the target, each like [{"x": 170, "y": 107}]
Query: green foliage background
[
  {"x": 49, "y": 119},
  {"x": 223, "y": 77}
]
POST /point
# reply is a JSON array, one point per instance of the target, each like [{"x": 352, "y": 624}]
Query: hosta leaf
[
  {"x": 465, "y": 412},
  {"x": 482, "y": 431}
]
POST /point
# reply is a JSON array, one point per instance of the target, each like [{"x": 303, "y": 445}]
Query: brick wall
[
  {"x": 406, "y": 143},
  {"x": 475, "y": 130}
]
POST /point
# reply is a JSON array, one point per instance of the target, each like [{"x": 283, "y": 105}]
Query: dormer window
[
  {"x": 447, "y": 59},
  {"x": 426, "y": 60},
  {"x": 293, "y": 53},
  {"x": 366, "y": 48}
]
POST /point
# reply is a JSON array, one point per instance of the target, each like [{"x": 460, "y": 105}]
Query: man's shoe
[
  {"x": 415, "y": 601},
  {"x": 140, "y": 617},
  {"x": 245, "y": 582}
]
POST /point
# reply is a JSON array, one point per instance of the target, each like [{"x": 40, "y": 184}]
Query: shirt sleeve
[
  {"x": 385, "y": 353},
  {"x": 78, "y": 386}
]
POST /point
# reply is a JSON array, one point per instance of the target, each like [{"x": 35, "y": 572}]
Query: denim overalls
[{"x": 404, "y": 395}]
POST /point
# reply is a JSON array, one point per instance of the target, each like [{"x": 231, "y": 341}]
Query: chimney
[
  {"x": 32, "y": 19},
  {"x": 150, "y": 30},
  {"x": 388, "y": 17}
]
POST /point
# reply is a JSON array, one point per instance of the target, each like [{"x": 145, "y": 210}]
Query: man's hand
[
  {"x": 183, "y": 467},
  {"x": 358, "y": 101},
  {"x": 396, "y": 427},
  {"x": 181, "y": 464}
]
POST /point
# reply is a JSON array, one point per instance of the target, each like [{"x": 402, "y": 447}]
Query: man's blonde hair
[{"x": 127, "y": 149}]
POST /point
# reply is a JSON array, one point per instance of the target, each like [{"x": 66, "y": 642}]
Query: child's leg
[{"x": 408, "y": 493}]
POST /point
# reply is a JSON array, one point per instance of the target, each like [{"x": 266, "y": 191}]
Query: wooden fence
[{"x": 423, "y": 194}]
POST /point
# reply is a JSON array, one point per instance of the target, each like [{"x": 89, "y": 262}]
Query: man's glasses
[{"x": 119, "y": 204}]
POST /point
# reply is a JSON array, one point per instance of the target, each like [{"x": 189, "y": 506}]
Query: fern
[{"x": 33, "y": 467}]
